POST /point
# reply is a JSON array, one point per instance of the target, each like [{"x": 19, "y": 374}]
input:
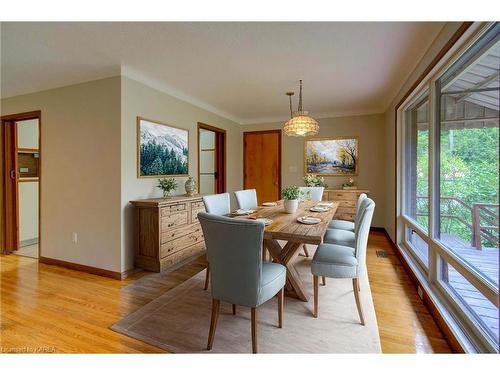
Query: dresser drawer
[
  {"x": 344, "y": 216},
  {"x": 344, "y": 196},
  {"x": 173, "y": 220},
  {"x": 173, "y": 259},
  {"x": 179, "y": 232},
  {"x": 199, "y": 204},
  {"x": 180, "y": 243},
  {"x": 350, "y": 204},
  {"x": 194, "y": 214},
  {"x": 168, "y": 210}
]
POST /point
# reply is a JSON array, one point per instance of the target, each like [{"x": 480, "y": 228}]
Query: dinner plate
[
  {"x": 241, "y": 212},
  {"x": 269, "y": 204},
  {"x": 265, "y": 220},
  {"x": 310, "y": 220},
  {"x": 324, "y": 204},
  {"x": 319, "y": 209}
]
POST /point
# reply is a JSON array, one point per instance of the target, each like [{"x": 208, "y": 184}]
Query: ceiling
[{"x": 238, "y": 70}]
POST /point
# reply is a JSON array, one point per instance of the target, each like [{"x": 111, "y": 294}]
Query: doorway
[
  {"x": 211, "y": 159},
  {"x": 262, "y": 164},
  {"x": 20, "y": 174}
]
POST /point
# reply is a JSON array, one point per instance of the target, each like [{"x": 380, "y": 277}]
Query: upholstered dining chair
[
  {"x": 216, "y": 204},
  {"x": 238, "y": 275},
  {"x": 337, "y": 261},
  {"x": 342, "y": 236},
  {"x": 246, "y": 199},
  {"x": 314, "y": 193},
  {"x": 345, "y": 224}
]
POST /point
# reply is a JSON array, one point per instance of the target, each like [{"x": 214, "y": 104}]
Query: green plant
[
  {"x": 167, "y": 185},
  {"x": 312, "y": 180},
  {"x": 291, "y": 193}
]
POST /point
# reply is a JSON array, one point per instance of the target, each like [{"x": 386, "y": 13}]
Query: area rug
[{"x": 178, "y": 321}]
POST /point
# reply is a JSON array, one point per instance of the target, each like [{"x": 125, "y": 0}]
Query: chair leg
[
  {"x": 281, "y": 297},
  {"x": 207, "y": 277},
  {"x": 306, "y": 254},
  {"x": 323, "y": 279},
  {"x": 213, "y": 323},
  {"x": 254, "y": 330},
  {"x": 355, "y": 286},
  {"x": 316, "y": 295},
  {"x": 234, "y": 309}
]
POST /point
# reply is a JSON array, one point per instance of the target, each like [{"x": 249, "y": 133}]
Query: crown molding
[
  {"x": 172, "y": 91},
  {"x": 319, "y": 116}
]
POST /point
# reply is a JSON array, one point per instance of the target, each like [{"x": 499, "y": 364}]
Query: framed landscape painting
[
  {"x": 331, "y": 156},
  {"x": 162, "y": 150}
]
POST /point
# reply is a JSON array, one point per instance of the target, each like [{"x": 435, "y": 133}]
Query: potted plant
[
  {"x": 312, "y": 180},
  {"x": 167, "y": 185},
  {"x": 291, "y": 195}
]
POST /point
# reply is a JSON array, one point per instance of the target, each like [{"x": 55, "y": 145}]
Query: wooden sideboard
[
  {"x": 347, "y": 202},
  {"x": 167, "y": 231}
]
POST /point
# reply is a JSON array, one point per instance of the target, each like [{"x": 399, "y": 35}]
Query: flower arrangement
[
  {"x": 167, "y": 185},
  {"x": 349, "y": 184},
  {"x": 312, "y": 180}
]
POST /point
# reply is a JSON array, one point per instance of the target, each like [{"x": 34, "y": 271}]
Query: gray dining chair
[
  {"x": 337, "y": 261},
  {"x": 314, "y": 193},
  {"x": 345, "y": 237},
  {"x": 246, "y": 199},
  {"x": 217, "y": 204},
  {"x": 345, "y": 224},
  {"x": 238, "y": 275}
]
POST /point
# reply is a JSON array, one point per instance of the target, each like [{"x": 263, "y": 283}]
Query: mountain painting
[
  {"x": 163, "y": 149},
  {"x": 332, "y": 156}
]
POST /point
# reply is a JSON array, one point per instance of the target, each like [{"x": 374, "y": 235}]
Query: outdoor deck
[{"x": 486, "y": 261}]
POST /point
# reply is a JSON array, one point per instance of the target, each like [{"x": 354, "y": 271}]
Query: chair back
[
  {"x": 362, "y": 232},
  {"x": 217, "y": 204},
  {"x": 234, "y": 251},
  {"x": 361, "y": 198},
  {"x": 315, "y": 192},
  {"x": 246, "y": 199}
]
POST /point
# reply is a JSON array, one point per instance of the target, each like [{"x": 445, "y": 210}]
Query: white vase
[{"x": 291, "y": 206}]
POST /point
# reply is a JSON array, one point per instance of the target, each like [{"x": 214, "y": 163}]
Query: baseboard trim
[
  {"x": 433, "y": 309},
  {"x": 28, "y": 242},
  {"x": 81, "y": 267}
]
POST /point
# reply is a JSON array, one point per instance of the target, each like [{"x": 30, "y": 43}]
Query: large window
[{"x": 450, "y": 201}]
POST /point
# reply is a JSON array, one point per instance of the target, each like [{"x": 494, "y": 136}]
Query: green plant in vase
[
  {"x": 291, "y": 195},
  {"x": 167, "y": 185},
  {"x": 312, "y": 180}
]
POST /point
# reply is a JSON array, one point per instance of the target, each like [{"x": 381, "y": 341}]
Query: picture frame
[
  {"x": 162, "y": 149},
  {"x": 332, "y": 156}
]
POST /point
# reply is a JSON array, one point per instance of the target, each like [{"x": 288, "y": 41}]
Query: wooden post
[{"x": 476, "y": 227}]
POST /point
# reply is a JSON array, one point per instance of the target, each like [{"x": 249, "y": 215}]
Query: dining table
[{"x": 285, "y": 236}]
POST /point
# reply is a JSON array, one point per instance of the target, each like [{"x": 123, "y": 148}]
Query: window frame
[{"x": 464, "y": 327}]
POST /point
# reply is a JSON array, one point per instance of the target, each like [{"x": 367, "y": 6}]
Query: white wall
[
  {"x": 138, "y": 99},
  {"x": 80, "y": 160}
]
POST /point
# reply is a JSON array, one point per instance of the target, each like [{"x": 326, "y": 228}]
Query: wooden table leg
[{"x": 285, "y": 255}]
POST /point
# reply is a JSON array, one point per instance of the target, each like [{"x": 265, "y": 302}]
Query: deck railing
[{"x": 479, "y": 213}]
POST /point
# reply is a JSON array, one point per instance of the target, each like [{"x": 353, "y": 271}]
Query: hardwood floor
[{"x": 53, "y": 309}]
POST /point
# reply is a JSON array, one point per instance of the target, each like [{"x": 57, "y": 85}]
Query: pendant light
[{"x": 300, "y": 123}]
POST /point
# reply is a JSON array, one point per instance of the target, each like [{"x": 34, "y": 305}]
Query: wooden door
[
  {"x": 211, "y": 147},
  {"x": 10, "y": 193},
  {"x": 262, "y": 164}
]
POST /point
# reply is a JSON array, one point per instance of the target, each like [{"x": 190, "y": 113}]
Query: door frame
[
  {"x": 279, "y": 154},
  {"x": 220, "y": 160},
  {"x": 15, "y": 118}
]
